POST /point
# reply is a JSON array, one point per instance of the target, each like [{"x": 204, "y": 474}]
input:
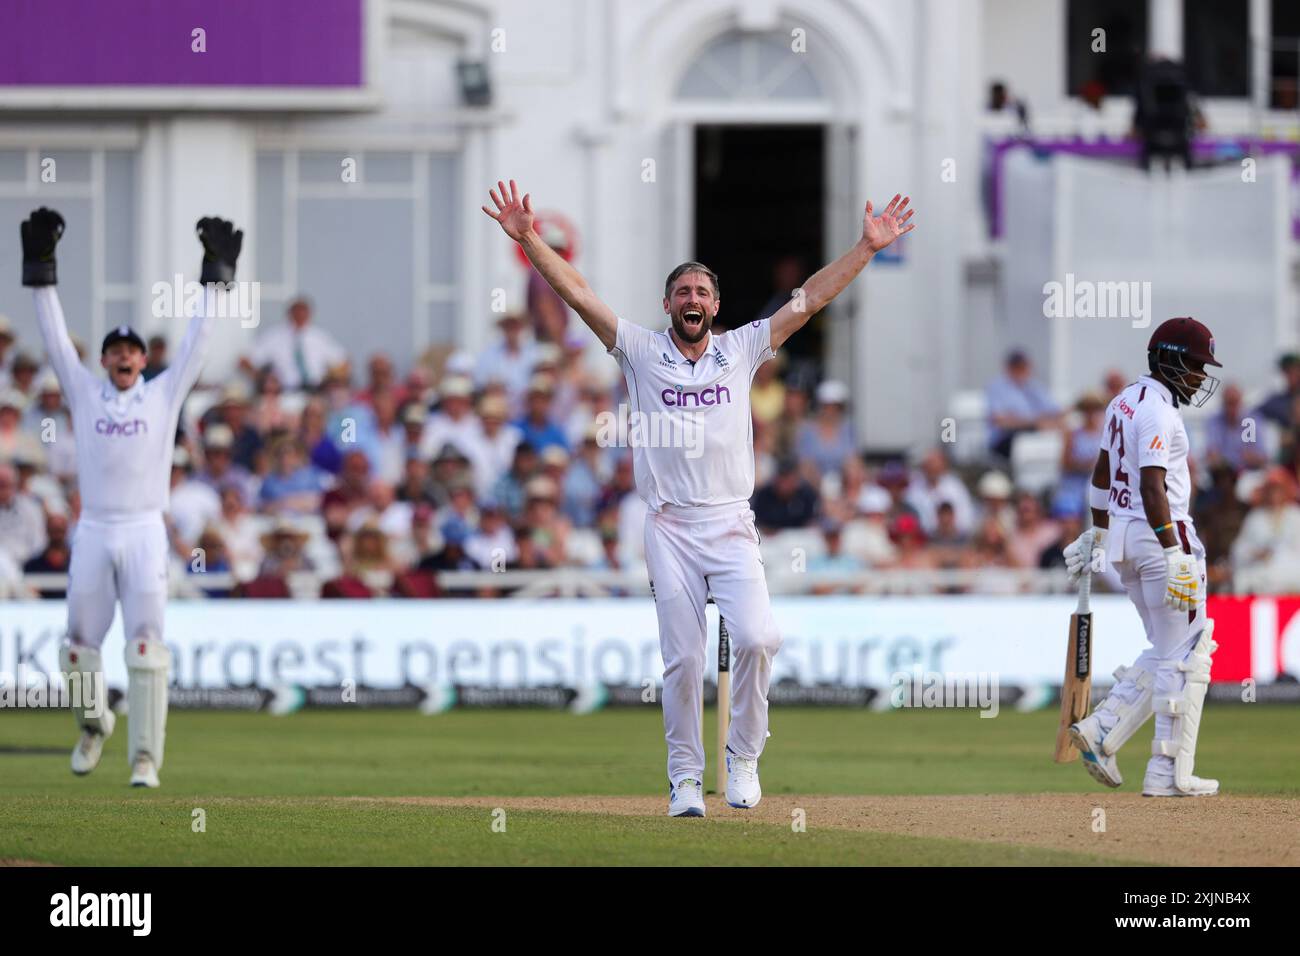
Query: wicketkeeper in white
[
  {"x": 696, "y": 474},
  {"x": 125, "y": 430},
  {"x": 1140, "y": 495}
]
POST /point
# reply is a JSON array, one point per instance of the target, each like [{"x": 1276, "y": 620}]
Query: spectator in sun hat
[
  {"x": 994, "y": 490},
  {"x": 493, "y": 447},
  {"x": 34, "y": 477},
  {"x": 543, "y": 528},
  {"x": 46, "y": 404},
  {"x": 235, "y": 410},
  {"x": 454, "y": 423},
  {"x": 510, "y": 359},
  {"x": 22, "y": 374},
  {"x": 826, "y": 440},
  {"x": 284, "y": 549},
  {"x": 219, "y": 465},
  {"x": 450, "y": 467}
]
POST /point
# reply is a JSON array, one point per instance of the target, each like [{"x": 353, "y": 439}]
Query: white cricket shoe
[
  {"x": 1086, "y": 736},
  {"x": 85, "y": 756},
  {"x": 144, "y": 774},
  {"x": 743, "y": 790},
  {"x": 1198, "y": 787},
  {"x": 686, "y": 799}
]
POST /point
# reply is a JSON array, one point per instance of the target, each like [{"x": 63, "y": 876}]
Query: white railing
[{"x": 580, "y": 582}]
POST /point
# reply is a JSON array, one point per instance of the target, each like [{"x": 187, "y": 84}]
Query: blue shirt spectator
[
  {"x": 826, "y": 440},
  {"x": 1233, "y": 438},
  {"x": 1016, "y": 403}
]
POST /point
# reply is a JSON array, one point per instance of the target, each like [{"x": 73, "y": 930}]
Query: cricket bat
[
  {"x": 1076, "y": 691},
  {"x": 724, "y": 700}
]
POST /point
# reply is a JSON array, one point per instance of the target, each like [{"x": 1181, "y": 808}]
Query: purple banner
[{"x": 281, "y": 43}]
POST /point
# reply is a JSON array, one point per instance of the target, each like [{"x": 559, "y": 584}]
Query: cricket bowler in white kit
[
  {"x": 1140, "y": 497},
  {"x": 125, "y": 433},
  {"x": 694, "y": 467}
]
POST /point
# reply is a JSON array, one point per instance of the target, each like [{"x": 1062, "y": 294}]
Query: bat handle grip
[{"x": 1085, "y": 590}]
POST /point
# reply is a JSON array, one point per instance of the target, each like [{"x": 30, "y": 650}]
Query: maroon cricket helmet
[{"x": 1187, "y": 337}]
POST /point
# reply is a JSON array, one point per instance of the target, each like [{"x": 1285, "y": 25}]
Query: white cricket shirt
[
  {"x": 689, "y": 425},
  {"x": 125, "y": 439},
  {"x": 1143, "y": 428}
]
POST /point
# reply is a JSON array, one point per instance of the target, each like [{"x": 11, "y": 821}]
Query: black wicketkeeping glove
[
  {"x": 40, "y": 232},
  {"x": 221, "y": 245}
]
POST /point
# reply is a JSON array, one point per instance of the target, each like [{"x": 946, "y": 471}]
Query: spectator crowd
[{"x": 308, "y": 475}]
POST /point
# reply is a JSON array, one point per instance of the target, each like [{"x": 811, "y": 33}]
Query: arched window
[{"x": 750, "y": 66}]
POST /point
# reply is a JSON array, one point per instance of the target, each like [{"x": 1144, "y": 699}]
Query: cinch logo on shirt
[
  {"x": 104, "y": 426},
  {"x": 680, "y": 398},
  {"x": 1126, "y": 409}
]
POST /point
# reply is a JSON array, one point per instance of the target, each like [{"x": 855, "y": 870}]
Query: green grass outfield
[{"x": 272, "y": 787}]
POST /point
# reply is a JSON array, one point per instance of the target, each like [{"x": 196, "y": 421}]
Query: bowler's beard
[{"x": 691, "y": 334}]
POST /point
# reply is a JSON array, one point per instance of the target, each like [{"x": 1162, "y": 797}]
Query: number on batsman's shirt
[
  {"x": 1144, "y": 429},
  {"x": 689, "y": 424}
]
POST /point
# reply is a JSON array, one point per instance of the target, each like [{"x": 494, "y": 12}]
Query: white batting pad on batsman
[
  {"x": 1185, "y": 708},
  {"x": 148, "y": 663},
  {"x": 1131, "y": 714},
  {"x": 83, "y": 673}
]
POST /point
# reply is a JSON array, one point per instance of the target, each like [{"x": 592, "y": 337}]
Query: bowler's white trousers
[
  {"x": 120, "y": 559},
  {"x": 692, "y": 553},
  {"x": 1132, "y": 547}
]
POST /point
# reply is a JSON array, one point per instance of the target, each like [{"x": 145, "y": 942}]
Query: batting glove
[
  {"x": 1182, "y": 580},
  {"x": 40, "y": 234},
  {"x": 221, "y": 245},
  {"x": 1085, "y": 549}
]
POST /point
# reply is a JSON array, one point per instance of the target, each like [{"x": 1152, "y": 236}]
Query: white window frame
[
  {"x": 96, "y": 143},
  {"x": 425, "y": 292}
]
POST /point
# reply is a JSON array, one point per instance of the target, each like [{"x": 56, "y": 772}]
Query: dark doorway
[{"x": 760, "y": 199}]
